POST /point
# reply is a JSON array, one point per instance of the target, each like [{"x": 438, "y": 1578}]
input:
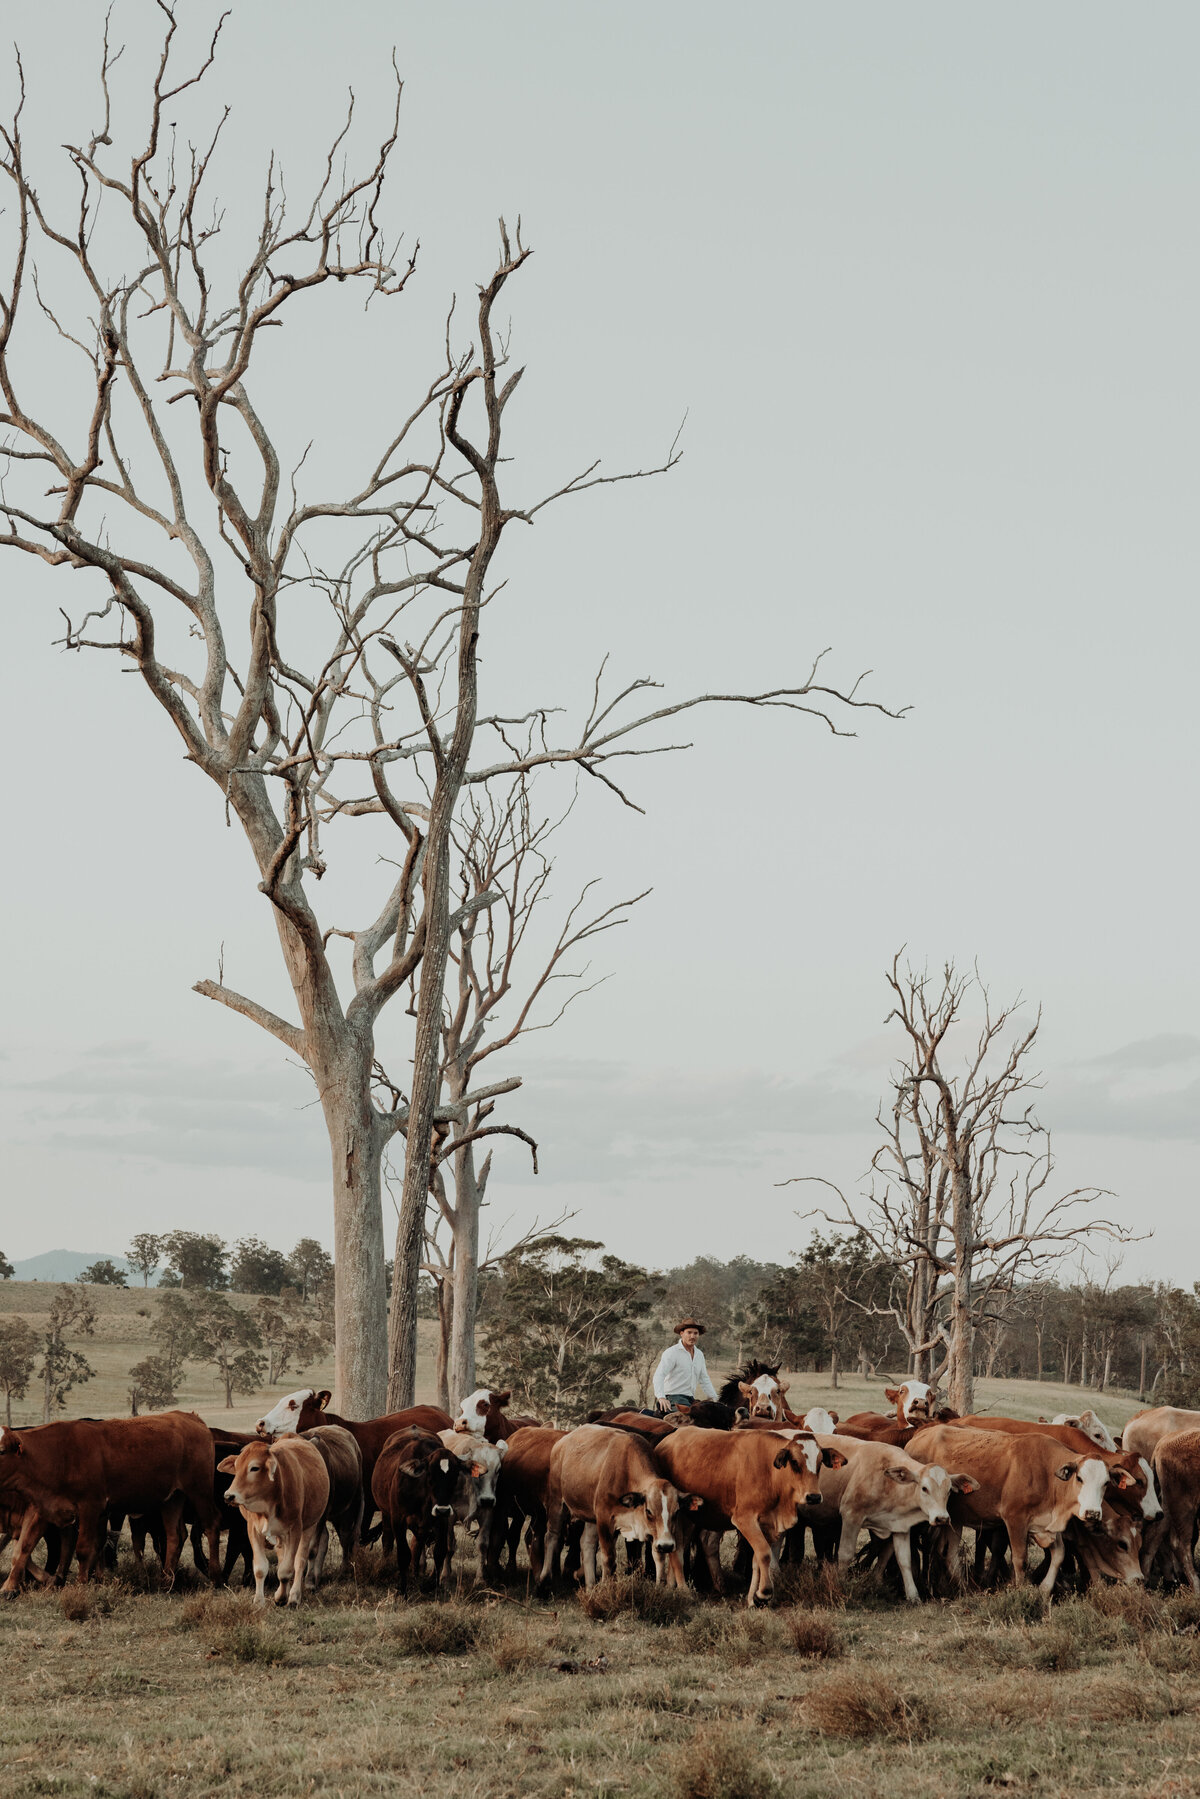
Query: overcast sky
[{"x": 925, "y": 281}]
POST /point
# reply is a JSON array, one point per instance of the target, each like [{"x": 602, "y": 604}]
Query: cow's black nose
[
  {"x": 812, "y": 1499},
  {"x": 487, "y": 1499}
]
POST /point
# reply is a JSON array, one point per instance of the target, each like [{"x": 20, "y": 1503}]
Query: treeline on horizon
[{"x": 567, "y": 1325}]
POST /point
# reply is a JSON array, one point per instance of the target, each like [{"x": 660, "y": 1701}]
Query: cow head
[
  {"x": 930, "y": 1487},
  {"x": 1090, "y": 1425},
  {"x": 914, "y": 1401},
  {"x": 479, "y": 1463},
  {"x": 803, "y": 1457},
  {"x": 430, "y": 1475},
  {"x": 298, "y": 1411},
  {"x": 10, "y": 1442},
  {"x": 252, "y": 1473},
  {"x": 819, "y": 1419},
  {"x": 651, "y": 1513},
  {"x": 480, "y": 1408},
  {"x": 764, "y": 1395},
  {"x": 1088, "y": 1477}
]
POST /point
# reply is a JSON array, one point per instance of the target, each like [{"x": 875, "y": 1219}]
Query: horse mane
[{"x": 730, "y": 1393}]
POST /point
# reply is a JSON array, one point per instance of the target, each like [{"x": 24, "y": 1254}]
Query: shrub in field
[
  {"x": 813, "y": 1585},
  {"x": 1011, "y": 1605},
  {"x": 814, "y": 1637},
  {"x": 645, "y": 1599},
  {"x": 720, "y": 1764},
  {"x": 739, "y": 1637},
  {"x": 436, "y": 1630},
  {"x": 512, "y": 1648},
  {"x": 1054, "y": 1650},
  {"x": 1139, "y": 1610},
  {"x": 73, "y": 1604},
  {"x": 864, "y": 1705}
]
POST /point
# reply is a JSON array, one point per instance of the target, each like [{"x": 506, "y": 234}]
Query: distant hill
[{"x": 65, "y": 1264}]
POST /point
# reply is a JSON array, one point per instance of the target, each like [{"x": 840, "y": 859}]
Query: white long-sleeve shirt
[{"x": 679, "y": 1372}]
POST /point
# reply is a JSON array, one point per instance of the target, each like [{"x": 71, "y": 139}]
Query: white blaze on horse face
[
  {"x": 766, "y": 1401},
  {"x": 281, "y": 1419}
]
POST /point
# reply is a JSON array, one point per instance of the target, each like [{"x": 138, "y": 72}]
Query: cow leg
[
  {"x": 303, "y": 1549},
  {"x": 288, "y": 1570},
  {"x": 759, "y": 1546},
  {"x": 1181, "y": 1543},
  {"x": 710, "y": 1543},
  {"x": 403, "y": 1557},
  {"x": 902, "y": 1549},
  {"x": 320, "y": 1549},
  {"x": 256, "y": 1531},
  {"x": 28, "y": 1537},
  {"x": 554, "y": 1528},
  {"x": 90, "y": 1541},
  {"x": 1053, "y": 1564},
  {"x": 604, "y": 1537},
  {"x": 851, "y": 1526},
  {"x": 172, "y": 1520}
]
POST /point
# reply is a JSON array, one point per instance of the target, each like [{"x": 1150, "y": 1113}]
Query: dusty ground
[{"x": 137, "y": 1695}]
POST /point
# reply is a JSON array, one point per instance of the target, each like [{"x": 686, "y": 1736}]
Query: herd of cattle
[{"x": 913, "y": 1479}]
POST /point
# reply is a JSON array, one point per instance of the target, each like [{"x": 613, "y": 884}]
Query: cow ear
[
  {"x": 781, "y": 1384},
  {"x": 899, "y": 1475},
  {"x": 690, "y": 1502},
  {"x": 892, "y": 1393},
  {"x": 10, "y": 1443},
  {"x": 784, "y": 1457},
  {"x": 834, "y": 1416},
  {"x": 501, "y": 1447},
  {"x": 1120, "y": 1477},
  {"x": 323, "y": 1397},
  {"x": 1067, "y": 1471},
  {"x": 500, "y": 1398},
  {"x": 965, "y": 1483},
  {"x": 1042, "y": 1418},
  {"x": 749, "y": 1391},
  {"x": 228, "y": 1465},
  {"x": 833, "y": 1458},
  {"x": 632, "y": 1500},
  {"x": 477, "y": 1470}
]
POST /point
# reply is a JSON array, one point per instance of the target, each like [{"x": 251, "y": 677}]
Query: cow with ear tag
[{"x": 282, "y": 1490}]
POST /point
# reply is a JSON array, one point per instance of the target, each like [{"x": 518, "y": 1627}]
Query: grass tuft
[
  {"x": 73, "y": 1604},
  {"x": 1054, "y": 1650},
  {"x": 813, "y": 1637},
  {"x": 814, "y": 1585},
  {"x": 863, "y": 1705},
  {"x": 437, "y": 1629},
  {"x": 635, "y": 1595},
  {"x": 720, "y": 1764}
]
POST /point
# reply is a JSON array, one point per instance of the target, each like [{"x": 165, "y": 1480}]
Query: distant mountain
[{"x": 65, "y": 1264}]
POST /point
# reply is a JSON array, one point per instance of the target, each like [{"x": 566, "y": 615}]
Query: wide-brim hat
[{"x": 689, "y": 1324}]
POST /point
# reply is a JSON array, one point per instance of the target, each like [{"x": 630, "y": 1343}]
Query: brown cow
[
  {"x": 1146, "y": 1430},
  {"x": 482, "y": 1413},
  {"x": 754, "y": 1481},
  {"x": 413, "y": 1485},
  {"x": 1030, "y": 1484},
  {"x": 282, "y": 1489},
  {"x": 610, "y": 1478},
  {"x": 1138, "y": 1496},
  {"x": 1177, "y": 1465},
  {"x": 76, "y": 1471},
  {"x": 343, "y": 1463},
  {"x": 521, "y": 1493}
]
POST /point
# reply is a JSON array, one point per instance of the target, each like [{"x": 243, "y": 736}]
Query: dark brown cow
[
  {"x": 77, "y": 1471},
  {"x": 521, "y": 1493},
  {"x": 343, "y": 1463},
  {"x": 1177, "y": 1465},
  {"x": 754, "y": 1481},
  {"x": 413, "y": 1485}
]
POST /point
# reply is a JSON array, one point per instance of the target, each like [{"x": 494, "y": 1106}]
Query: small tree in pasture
[
  {"x": 73, "y": 1311},
  {"x": 257, "y": 1268},
  {"x": 152, "y": 1384},
  {"x": 6, "y": 1268},
  {"x": 18, "y": 1352},
  {"x": 229, "y": 1340},
  {"x": 104, "y": 1273},
  {"x": 566, "y": 1328},
  {"x": 171, "y": 1329},
  {"x": 197, "y": 1260},
  {"x": 308, "y": 1265},
  {"x": 144, "y": 1254},
  {"x": 291, "y": 1338}
]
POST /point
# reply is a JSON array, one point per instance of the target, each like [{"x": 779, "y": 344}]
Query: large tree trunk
[
  {"x": 359, "y": 1306},
  {"x": 466, "y": 1276},
  {"x": 833, "y": 1367},
  {"x": 961, "y": 1384},
  {"x": 445, "y": 1309}
]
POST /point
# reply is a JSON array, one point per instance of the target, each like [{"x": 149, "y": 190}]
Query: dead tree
[
  {"x": 960, "y": 1203},
  {"x": 308, "y": 638}
]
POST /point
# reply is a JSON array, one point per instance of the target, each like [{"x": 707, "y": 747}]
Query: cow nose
[
  {"x": 1093, "y": 1517},
  {"x": 439, "y": 1511},
  {"x": 665, "y": 1544},
  {"x": 487, "y": 1499},
  {"x": 941, "y": 1517},
  {"x": 812, "y": 1499}
]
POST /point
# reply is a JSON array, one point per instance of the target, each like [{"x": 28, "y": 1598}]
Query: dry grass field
[{"x": 123, "y": 1691}]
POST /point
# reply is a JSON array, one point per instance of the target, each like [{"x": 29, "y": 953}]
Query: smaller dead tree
[{"x": 960, "y": 1202}]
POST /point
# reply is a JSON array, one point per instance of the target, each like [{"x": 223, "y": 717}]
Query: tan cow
[
  {"x": 754, "y": 1481},
  {"x": 612, "y": 1480},
  {"x": 1030, "y": 1484},
  {"x": 1092, "y": 1426},
  {"x": 1146, "y": 1430},
  {"x": 1177, "y": 1465},
  {"x": 282, "y": 1489},
  {"x": 886, "y": 1491}
]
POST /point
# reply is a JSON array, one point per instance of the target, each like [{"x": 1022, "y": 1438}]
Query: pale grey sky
[{"x": 925, "y": 281}]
